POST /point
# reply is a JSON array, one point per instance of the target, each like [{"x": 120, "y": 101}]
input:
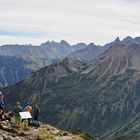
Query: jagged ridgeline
[
  {"x": 18, "y": 61},
  {"x": 101, "y": 98}
]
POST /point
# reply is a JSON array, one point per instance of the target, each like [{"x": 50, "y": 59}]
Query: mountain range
[
  {"x": 31, "y": 58},
  {"x": 18, "y": 61},
  {"x": 101, "y": 97},
  {"x": 50, "y": 50}
]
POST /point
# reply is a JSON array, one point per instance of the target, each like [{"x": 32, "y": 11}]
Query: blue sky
[
  {"x": 98, "y": 21},
  {"x": 18, "y": 33}
]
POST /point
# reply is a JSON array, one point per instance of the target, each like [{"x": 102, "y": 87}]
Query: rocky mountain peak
[
  {"x": 137, "y": 39},
  {"x": 91, "y": 45},
  {"x": 63, "y": 42},
  {"x": 117, "y": 60},
  {"x": 49, "y": 43},
  {"x": 128, "y": 38},
  {"x": 128, "y": 41},
  {"x": 117, "y": 40}
]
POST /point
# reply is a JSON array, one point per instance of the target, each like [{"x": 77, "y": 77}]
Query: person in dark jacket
[
  {"x": 36, "y": 112},
  {"x": 16, "y": 111}
]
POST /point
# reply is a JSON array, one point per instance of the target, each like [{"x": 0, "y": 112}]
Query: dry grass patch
[{"x": 44, "y": 135}]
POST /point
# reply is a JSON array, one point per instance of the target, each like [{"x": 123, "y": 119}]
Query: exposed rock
[
  {"x": 65, "y": 138},
  {"x": 45, "y": 132}
]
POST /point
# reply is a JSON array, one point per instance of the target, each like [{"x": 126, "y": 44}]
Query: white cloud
[{"x": 98, "y": 21}]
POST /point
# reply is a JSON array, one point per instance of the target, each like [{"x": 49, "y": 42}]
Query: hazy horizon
[{"x": 97, "y": 21}]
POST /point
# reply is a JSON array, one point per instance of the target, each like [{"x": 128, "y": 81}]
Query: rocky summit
[{"x": 45, "y": 132}]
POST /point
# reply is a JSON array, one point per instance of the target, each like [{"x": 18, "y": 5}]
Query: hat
[
  {"x": 1, "y": 93},
  {"x": 18, "y": 103}
]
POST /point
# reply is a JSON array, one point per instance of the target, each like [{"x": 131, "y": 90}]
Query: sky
[{"x": 37, "y": 21}]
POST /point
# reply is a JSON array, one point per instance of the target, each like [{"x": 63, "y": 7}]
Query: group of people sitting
[{"x": 15, "y": 113}]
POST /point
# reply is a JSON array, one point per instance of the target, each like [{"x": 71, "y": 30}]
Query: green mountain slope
[
  {"x": 14, "y": 68},
  {"x": 99, "y": 98}
]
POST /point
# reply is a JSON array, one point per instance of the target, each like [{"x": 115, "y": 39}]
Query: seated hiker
[
  {"x": 1, "y": 114},
  {"x": 29, "y": 109},
  {"x": 9, "y": 116},
  {"x": 1, "y": 101},
  {"x": 5, "y": 120},
  {"x": 16, "y": 111},
  {"x": 36, "y": 112},
  {"x": 5, "y": 116}
]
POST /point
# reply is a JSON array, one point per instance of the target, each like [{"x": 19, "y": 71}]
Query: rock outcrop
[{"x": 45, "y": 132}]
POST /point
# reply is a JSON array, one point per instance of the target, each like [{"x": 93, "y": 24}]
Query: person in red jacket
[{"x": 28, "y": 108}]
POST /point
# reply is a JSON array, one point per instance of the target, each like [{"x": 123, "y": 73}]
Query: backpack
[{"x": 35, "y": 123}]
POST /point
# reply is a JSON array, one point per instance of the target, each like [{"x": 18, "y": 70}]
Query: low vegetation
[{"x": 45, "y": 132}]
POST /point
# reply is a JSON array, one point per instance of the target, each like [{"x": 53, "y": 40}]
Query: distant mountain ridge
[
  {"x": 101, "y": 98},
  {"x": 50, "y": 50},
  {"x": 88, "y": 53},
  {"x": 91, "y": 51},
  {"x": 18, "y": 61},
  {"x": 49, "y": 53},
  {"x": 55, "y": 50}
]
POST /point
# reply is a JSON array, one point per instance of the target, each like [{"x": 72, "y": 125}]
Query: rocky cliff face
[
  {"x": 87, "y": 54},
  {"x": 14, "y": 68},
  {"x": 91, "y": 51}
]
